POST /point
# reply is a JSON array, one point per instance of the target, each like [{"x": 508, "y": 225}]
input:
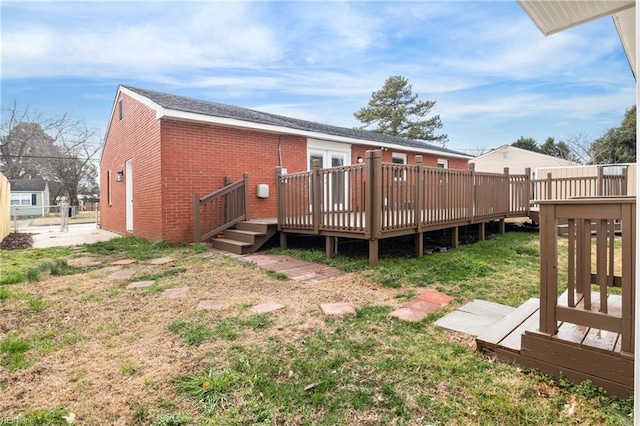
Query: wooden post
[
  {"x": 316, "y": 195},
  {"x": 283, "y": 240},
  {"x": 502, "y": 227},
  {"x": 528, "y": 190},
  {"x": 330, "y": 249},
  {"x": 600, "y": 182},
  {"x": 228, "y": 204},
  {"x": 373, "y": 201},
  {"x": 419, "y": 195},
  {"x": 548, "y": 269},
  {"x": 196, "y": 218},
  {"x": 481, "y": 231},
  {"x": 472, "y": 191},
  {"x": 419, "y": 205},
  {"x": 507, "y": 192},
  {"x": 245, "y": 178},
  {"x": 279, "y": 206},
  {"x": 455, "y": 237},
  {"x": 625, "y": 178},
  {"x": 549, "y": 191},
  {"x": 628, "y": 225}
]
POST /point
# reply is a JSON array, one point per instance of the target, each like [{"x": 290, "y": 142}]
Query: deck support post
[
  {"x": 455, "y": 237},
  {"x": 330, "y": 246},
  {"x": 373, "y": 252},
  {"x": 245, "y": 178},
  {"x": 419, "y": 244},
  {"x": 528, "y": 191},
  {"x": 316, "y": 195},
  {"x": 481, "y": 231},
  {"x": 502, "y": 227},
  {"x": 283, "y": 240}
]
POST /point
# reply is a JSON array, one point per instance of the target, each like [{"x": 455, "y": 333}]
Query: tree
[
  {"x": 58, "y": 149},
  {"x": 617, "y": 145},
  {"x": 529, "y": 144},
  {"x": 396, "y": 111}
]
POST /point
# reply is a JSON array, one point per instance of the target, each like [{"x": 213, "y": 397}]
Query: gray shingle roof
[
  {"x": 181, "y": 103},
  {"x": 27, "y": 185}
]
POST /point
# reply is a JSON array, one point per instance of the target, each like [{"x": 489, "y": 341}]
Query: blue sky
[{"x": 492, "y": 73}]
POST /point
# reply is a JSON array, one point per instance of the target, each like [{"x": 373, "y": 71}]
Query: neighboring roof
[
  {"x": 180, "y": 107},
  {"x": 532, "y": 153},
  {"x": 28, "y": 185},
  {"x": 552, "y": 16}
]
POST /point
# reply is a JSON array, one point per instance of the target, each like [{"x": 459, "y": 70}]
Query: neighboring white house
[
  {"x": 517, "y": 160},
  {"x": 29, "y": 197}
]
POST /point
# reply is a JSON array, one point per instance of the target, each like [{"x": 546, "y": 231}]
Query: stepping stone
[
  {"x": 141, "y": 284},
  {"x": 161, "y": 261},
  {"x": 174, "y": 292},
  {"x": 84, "y": 262},
  {"x": 266, "y": 307},
  {"x": 407, "y": 314},
  {"x": 122, "y": 275},
  {"x": 210, "y": 304},
  {"x": 337, "y": 309},
  {"x": 124, "y": 262},
  {"x": 422, "y": 306},
  {"x": 436, "y": 297}
]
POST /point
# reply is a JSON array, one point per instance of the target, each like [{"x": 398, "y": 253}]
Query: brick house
[{"x": 160, "y": 149}]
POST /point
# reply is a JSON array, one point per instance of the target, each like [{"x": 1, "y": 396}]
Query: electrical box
[{"x": 263, "y": 190}]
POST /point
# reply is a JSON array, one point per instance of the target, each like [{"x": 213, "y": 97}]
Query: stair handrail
[{"x": 222, "y": 209}]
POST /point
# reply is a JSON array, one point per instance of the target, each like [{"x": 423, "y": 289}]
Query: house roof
[
  {"x": 180, "y": 107},
  {"x": 28, "y": 185},
  {"x": 532, "y": 153},
  {"x": 552, "y": 16}
]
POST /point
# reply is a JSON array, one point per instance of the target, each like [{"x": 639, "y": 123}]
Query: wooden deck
[{"x": 576, "y": 352}]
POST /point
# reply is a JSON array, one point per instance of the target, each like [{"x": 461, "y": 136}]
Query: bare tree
[{"x": 59, "y": 149}]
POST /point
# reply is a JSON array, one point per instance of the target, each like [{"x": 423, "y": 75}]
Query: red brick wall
[
  {"x": 197, "y": 157},
  {"x": 137, "y": 138}
]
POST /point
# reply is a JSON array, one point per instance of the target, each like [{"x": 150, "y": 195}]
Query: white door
[
  {"x": 128, "y": 195},
  {"x": 335, "y": 184}
]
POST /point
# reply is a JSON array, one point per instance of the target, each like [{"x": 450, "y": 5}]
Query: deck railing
[
  {"x": 220, "y": 210},
  {"x": 376, "y": 198},
  {"x": 600, "y": 256}
]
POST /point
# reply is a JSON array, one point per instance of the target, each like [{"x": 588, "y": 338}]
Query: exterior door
[
  {"x": 128, "y": 190},
  {"x": 335, "y": 184}
]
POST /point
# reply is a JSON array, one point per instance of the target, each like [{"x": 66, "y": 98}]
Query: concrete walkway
[{"x": 82, "y": 233}]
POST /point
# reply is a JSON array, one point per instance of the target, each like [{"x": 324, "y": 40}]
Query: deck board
[{"x": 512, "y": 321}]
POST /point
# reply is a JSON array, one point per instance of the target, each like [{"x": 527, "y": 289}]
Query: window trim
[
  {"x": 20, "y": 197},
  {"x": 109, "y": 189},
  {"x": 402, "y": 157},
  {"x": 443, "y": 163}
]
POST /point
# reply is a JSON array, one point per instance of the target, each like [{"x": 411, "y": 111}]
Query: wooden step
[
  {"x": 254, "y": 226},
  {"x": 243, "y": 236},
  {"x": 233, "y": 246},
  {"x": 509, "y": 324}
]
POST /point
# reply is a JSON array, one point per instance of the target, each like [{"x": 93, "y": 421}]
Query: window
[
  {"x": 120, "y": 109},
  {"x": 24, "y": 199},
  {"x": 443, "y": 163},
  {"x": 398, "y": 158}
]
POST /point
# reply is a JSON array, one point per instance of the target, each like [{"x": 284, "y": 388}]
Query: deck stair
[
  {"x": 576, "y": 352},
  {"x": 246, "y": 237}
]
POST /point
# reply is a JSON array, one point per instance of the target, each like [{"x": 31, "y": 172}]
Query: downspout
[{"x": 280, "y": 150}]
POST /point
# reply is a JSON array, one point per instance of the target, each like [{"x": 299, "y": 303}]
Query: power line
[{"x": 46, "y": 157}]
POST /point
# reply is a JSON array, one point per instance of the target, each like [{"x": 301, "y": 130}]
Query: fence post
[
  {"x": 373, "y": 201},
  {"x": 625, "y": 177},
  {"x": 279, "y": 206},
  {"x": 196, "y": 218},
  {"x": 419, "y": 201},
  {"x": 549, "y": 181},
  {"x": 507, "y": 191},
  {"x": 600, "y": 182},
  {"x": 245, "y": 178},
  {"x": 316, "y": 191},
  {"x": 529, "y": 190},
  {"x": 472, "y": 191}
]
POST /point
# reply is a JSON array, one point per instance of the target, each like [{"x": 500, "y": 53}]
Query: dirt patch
[
  {"x": 16, "y": 240},
  {"x": 103, "y": 351}
]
